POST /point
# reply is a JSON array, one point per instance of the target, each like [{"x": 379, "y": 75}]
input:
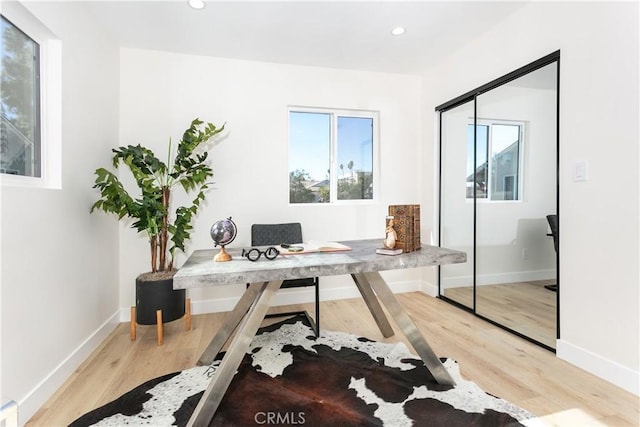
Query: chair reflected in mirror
[
  {"x": 291, "y": 233},
  {"x": 553, "y": 226}
]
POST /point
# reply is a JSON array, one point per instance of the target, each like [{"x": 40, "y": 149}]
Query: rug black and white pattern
[{"x": 290, "y": 377}]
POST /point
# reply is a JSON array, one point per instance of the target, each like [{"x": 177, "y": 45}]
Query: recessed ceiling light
[
  {"x": 397, "y": 31},
  {"x": 196, "y": 4}
]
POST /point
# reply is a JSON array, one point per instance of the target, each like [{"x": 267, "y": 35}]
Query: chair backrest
[
  {"x": 274, "y": 234},
  {"x": 553, "y": 225}
]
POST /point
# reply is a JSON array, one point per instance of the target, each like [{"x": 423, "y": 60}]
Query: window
[
  {"x": 496, "y": 173},
  {"x": 30, "y": 101},
  {"x": 20, "y": 102},
  {"x": 332, "y": 154}
]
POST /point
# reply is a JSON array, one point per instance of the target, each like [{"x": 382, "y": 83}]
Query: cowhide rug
[{"x": 290, "y": 377}]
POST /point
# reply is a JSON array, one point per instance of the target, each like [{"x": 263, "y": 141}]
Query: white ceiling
[{"x": 339, "y": 34}]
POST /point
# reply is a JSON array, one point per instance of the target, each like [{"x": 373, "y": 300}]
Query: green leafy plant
[{"x": 151, "y": 211}]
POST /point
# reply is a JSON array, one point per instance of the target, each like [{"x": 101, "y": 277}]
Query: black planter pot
[{"x": 152, "y": 295}]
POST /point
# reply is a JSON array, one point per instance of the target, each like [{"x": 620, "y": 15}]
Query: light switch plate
[{"x": 580, "y": 170}]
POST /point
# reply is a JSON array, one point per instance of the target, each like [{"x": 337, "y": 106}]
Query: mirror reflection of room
[{"x": 499, "y": 185}]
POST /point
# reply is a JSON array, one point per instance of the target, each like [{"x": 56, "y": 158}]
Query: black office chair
[
  {"x": 553, "y": 225},
  {"x": 275, "y": 234}
]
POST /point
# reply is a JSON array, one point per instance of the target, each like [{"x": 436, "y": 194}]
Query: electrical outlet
[
  {"x": 9, "y": 414},
  {"x": 525, "y": 253}
]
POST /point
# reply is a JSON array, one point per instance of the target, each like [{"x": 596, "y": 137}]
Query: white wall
[
  {"x": 161, "y": 93},
  {"x": 61, "y": 290},
  {"x": 599, "y": 256},
  {"x": 59, "y": 263}
]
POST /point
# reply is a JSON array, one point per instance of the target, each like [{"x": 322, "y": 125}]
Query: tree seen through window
[
  {"x": 19, "y": 103},
  {"x": 331, "y": 156}
]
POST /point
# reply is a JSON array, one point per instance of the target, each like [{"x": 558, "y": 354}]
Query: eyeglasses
[{"x": 253, "y": 254}]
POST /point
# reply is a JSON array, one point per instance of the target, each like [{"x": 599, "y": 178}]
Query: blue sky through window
[
  {"x": 355, "y": 143},
  {"x": 481, "y": 155},
  {"x": 310, "y": 143}
]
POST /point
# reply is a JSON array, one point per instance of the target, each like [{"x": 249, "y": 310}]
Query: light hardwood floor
[
  {"x": 499, "y": 362},
  {"x": 526, "y": 307}
]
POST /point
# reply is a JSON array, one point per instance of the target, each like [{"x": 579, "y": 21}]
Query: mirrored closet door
[
  {"x": 499, "y": 199},
  {"x": 456, "y": 209}
]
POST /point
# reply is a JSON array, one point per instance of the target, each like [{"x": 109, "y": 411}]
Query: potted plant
[{"x": 167, "y": 229}]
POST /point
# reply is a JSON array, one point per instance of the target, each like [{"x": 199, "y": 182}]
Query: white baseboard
[
  {"x": 294, "y": 296},
  {"x": 38, "y": 396},
  {"x": 352, "y": 292},
  {"x": 498, "y": 278},
  {"x": 606, "y": 369},
  {"x": 430, "y": 289}
]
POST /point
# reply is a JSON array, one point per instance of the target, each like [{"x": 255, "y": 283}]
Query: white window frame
[
  {"x": 334, "y": 166},
  {"x": 50, "y": 99},
  {"x": 521, "y": 158}
]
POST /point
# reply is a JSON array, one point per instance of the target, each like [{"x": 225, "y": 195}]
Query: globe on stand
[{"x": 223, "y": 232}]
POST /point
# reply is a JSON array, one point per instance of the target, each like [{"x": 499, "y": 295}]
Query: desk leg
[
  {"x": 404, "y": 322},
  {"x": 231, "y": 322},
  {"x": 208, "y": 404},
  {"x": 374, "y": 306}
]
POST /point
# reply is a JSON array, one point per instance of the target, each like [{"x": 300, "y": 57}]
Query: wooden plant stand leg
[
  {"x": 187, "y": 310},
  {"x": 132, "y": 324},
  {"x": 159, "y": 326}
]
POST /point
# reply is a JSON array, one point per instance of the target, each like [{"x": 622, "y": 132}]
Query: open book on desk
[{"x": 313, "y": 246}]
